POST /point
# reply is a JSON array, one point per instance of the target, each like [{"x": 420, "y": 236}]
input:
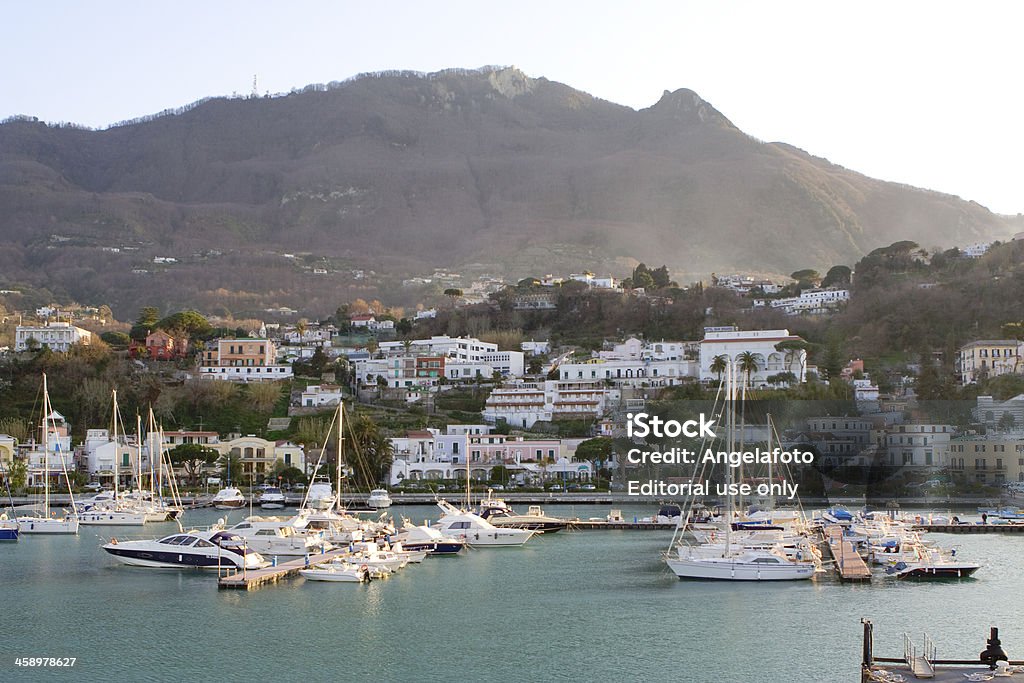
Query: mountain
[{"x": 400, "y": 173}]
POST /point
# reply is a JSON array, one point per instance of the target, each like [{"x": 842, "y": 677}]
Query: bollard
[{"x": 275, "y": 561}]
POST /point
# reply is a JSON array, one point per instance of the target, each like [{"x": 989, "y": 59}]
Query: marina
[
  {"x": 255, "y": 578},
  {"x": 565, "y": 583}
]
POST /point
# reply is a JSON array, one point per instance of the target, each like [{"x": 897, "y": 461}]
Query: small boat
[
  {"x": 379, "y": 498},
  {"x": 229, "y": 499},
  {"x": 193, "y": 549},
  {"x": 272, "y": 499},
  {"x": 339, "y": 571},
  {"x": 476, "y": 530}
]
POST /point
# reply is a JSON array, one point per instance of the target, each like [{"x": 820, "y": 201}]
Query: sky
[{"x": 923, "y": 93}]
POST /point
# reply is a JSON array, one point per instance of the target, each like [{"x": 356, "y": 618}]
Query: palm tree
[
  {"x": 369, "y": 453},
  {"x": 748, "y": 364},
  {"x": 719, "y": 364}
]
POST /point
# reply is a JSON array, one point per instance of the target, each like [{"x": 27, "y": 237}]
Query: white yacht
[
  {"x": 272, "y": 499},
  {"x": 427, "y": 538},
  {"x": 737, "y": 564},
  {"x": 379, "y": 498},
  {"x": 276, "y": 536},
  {"x": 476, "y": 530},
  {"x": 320, "y": 496},
  {"x": 46, "y": 522},
  {"x": 497, "y": 512},
  {"x": 193, "y": 549},
  {"x": 112, "y": 516},
  {"x": 229, "y": 499}
]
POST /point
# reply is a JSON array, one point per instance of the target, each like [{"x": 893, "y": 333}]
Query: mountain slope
[{"x": 404, "y": 173}]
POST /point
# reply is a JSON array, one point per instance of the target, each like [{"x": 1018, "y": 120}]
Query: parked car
[
  {"x": 93, "y": 486},
  {"x": 588, "y": 487}
]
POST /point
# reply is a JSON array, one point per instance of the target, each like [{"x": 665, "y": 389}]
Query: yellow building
[
  {"x": 987, "y": 358},
  {"x": 991, "y": 459}
]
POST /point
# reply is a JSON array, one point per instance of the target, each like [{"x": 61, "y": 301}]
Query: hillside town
[{"x": 526, "y": 416}]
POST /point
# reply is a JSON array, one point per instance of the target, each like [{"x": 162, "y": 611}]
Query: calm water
[{"x": 595, "y": 606}]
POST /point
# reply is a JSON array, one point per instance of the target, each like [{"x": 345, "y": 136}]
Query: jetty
[
  {"x": 848, "y": 562},
  {"x": 249, "y": 579},
  {"x": 600, "y": 525},
  {"x": 971, "y": 528}
]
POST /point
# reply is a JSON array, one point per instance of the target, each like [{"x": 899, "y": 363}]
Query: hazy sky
[{"x": 924, "y": 93}]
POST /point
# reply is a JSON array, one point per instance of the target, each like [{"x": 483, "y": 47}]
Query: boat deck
[
  {"x": 945, "y": 674},
  {"x": 848, "y": 562},
  {"x": 254, "y": 578}
]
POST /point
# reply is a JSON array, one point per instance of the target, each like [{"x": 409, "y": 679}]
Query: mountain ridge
[{"x": 408, "y": 172}]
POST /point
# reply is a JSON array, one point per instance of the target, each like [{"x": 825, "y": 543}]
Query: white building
[
  {"x": 732, "y": 343},
  {"x": 975, "y": 250},
  {"x": 919, "y": 445},
  {"x": 523, "y": 403},
  {"x": 469, "y": 353},
  {"x": 56, "y": 336},
  {"x": 243, "y": 360},
  {"x": 535, "y": 348},
  {"x": 318, "y": 395},
  {"x": 813, "y": 301}
]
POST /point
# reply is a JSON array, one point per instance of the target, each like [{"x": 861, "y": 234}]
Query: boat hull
[
  {"x": 435, "y": 547},
  {"x": 170, "y": 560},
  {"x": 738, "y": 571},
  {"x": 112, "y": 518},
  {"x": 30, "y": 525},
  {"x": 932, "y": 573},
  {"x": 9, "y": 532}
]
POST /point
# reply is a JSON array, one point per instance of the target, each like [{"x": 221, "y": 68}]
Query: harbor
[{"x": 603, "y": 592}]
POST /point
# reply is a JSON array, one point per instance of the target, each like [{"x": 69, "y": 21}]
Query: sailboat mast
[
  {"x": 730, "y": 445},
  {"x": 341, "y": 437},
  {"x": 117, "y": 446},
  {"x": 46, "y": 449},
  {"x": 138, "y": 453}
]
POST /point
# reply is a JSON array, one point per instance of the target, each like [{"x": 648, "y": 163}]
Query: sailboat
[
  {"x": 115, "y": 512},
  {"x": 48, "y": 523},
  {"x": 733, "y": 561}
]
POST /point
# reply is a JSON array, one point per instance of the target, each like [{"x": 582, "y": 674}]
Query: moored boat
[{"x": 193, "y": 549}]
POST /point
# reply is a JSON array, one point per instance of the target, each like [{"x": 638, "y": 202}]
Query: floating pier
[
  {"x": 249, "y": 579},
  {"x": 848, "y": 562}
]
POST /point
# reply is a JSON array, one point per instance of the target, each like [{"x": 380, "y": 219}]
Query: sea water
[{"x": 570, "y": 606}]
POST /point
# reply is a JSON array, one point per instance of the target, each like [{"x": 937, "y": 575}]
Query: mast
[
  {"x": 730, "y": 445},
  {"x": 117, "y": 447},
  {"x": 341, "y": 437},
  {"x": 46, "y": 450}
]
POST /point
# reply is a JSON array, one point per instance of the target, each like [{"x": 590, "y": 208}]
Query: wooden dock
[
  {"x": 849, "y": 564},
  {"x": 254, "y": 578}
]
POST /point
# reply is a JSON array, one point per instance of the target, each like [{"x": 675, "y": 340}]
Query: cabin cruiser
[
  {"x": 272, "y": 499},
  {"x": 369, "y": 554},
  {"x": 497, "y": 512},
  {"x": 197, "y": 549},
  {"x": 427, "y": 538},
  {"x": 277, "y": 536},
  {"x": 476, "y": 530},
  {"x": 379, "y": 498},
  {"x": 320, "y": 496},
  {"x": 229, "y": 499}
]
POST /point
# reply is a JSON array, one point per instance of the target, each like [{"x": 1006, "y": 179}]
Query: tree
[
  {"x": 596, "y": 451},
  {"x": 192, "y": 458},
  {"x": 719, "y": 364},
  {"x": 263, "y": 396},
  {"x": 453, "y": 294},
  {"x": 837, "y": 276},
  {"x": 18, "y": 474},
  {"x": 370, "y": 453},
  {"x": 145, "y": 323},
  {"x": 748, "y": 364},
  {"x": 232, "y": 467}
]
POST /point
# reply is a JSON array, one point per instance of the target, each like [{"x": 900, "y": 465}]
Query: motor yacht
[
  {"x": 193, "y": 549},
  {"x": 497, "y": 512},
  {"x": 379, "y": 498},
  {"x": 427, "y": 538},
  {"x": 476, "y": 530},
  {"x": 320, "y": 496},
  {"x": 339, "y": 571},
  {"x": 931, "y": 563},
  {"x": 277, "y": 536},
  {"x": 229, "y": 499},
  {"x": 272, "y": 499}
]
